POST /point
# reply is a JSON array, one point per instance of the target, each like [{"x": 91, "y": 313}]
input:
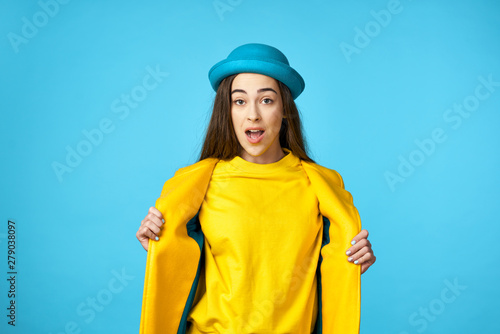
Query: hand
[
  {"x": 361, "y": 252},
  {"x": 150, "y": 227}
]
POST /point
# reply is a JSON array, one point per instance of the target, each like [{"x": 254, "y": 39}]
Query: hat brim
[{"x": 276, "y": 70}]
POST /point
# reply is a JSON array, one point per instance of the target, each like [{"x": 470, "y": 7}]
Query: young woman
[{"x": 254, "y": 238}]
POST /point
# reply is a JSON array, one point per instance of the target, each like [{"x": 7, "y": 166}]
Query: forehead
[{"x": 254, "y": 80}]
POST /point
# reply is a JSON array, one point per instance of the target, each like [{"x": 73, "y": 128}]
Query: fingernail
[
  {"x": 353, "y": 242},
  {"x": 349, "y": 259},
  {"x": 356, "y": 262},
  {"x": 163, "y": 220},
  {"x": 348, "y": 253},
  {"x": 157, "y": 238}
]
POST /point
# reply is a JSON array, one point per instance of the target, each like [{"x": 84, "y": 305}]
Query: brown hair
[{"x": 220, "y": 140}]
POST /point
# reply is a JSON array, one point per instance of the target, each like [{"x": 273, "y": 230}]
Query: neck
[{"x": 268, "y": 157}]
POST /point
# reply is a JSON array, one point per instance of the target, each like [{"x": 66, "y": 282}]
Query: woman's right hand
[{"x": 150, "y": 227}]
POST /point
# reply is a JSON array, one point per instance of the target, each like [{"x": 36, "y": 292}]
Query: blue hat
[{"x": 261, "y": 59}]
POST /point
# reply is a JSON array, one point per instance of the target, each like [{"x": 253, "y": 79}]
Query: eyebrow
[{"x": 258, "y": 91}]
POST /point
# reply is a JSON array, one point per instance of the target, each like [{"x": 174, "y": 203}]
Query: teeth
[{"x": 255, "y": 130}]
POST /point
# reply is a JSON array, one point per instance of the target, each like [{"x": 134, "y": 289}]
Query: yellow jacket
[{"x": 174, "y": 262}]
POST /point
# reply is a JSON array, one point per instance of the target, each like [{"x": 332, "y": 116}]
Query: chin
[{"x": 255, "y": 153}]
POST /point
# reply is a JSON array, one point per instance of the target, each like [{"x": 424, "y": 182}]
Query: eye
[
  {"x": 267, "y": 101},
  {"x": 239, "y": 102}
]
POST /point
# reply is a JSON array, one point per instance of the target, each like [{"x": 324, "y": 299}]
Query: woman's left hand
[{"x": 361, "y": 252}]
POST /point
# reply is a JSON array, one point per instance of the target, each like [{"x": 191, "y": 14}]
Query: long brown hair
[{"x": 220, "y": 140}]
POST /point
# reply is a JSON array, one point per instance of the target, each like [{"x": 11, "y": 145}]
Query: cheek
[
  {"x": 276, "y": 121},
  {"x": 237, "y": 126},
  {"x": 235, "y": 120}
]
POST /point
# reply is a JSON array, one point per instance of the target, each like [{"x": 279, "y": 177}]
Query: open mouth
[{"x": 254, "y": 134}]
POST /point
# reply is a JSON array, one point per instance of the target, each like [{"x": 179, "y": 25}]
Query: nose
[{"x": 253, "y": 113}]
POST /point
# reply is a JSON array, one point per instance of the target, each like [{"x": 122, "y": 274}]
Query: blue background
[{"x": 363, "y": 110}]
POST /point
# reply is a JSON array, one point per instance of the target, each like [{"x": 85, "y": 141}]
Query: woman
[{"x": 255, "y": 232}]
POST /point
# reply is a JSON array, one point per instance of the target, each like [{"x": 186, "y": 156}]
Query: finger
[
  {"x": 149, "y": 225},
  {"x": 155, "y": 212},
  {"x": 354, "y": 258},
  {"x": 357, "y": 246},
  {"x": 363, "y": 234},
  {"x": 363, "y": 255},
  {"x": 154, "y": 219},
  {"x": 367, "y": 264},
  {"x": 144, "y": 235}
]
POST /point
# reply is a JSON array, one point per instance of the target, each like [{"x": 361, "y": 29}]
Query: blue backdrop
[{"x": 103, "y": 101}]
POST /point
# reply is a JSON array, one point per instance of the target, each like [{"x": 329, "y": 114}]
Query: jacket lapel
[
  {"x": 173, "y": 262},
  {"x": 340, "y": 280}
]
